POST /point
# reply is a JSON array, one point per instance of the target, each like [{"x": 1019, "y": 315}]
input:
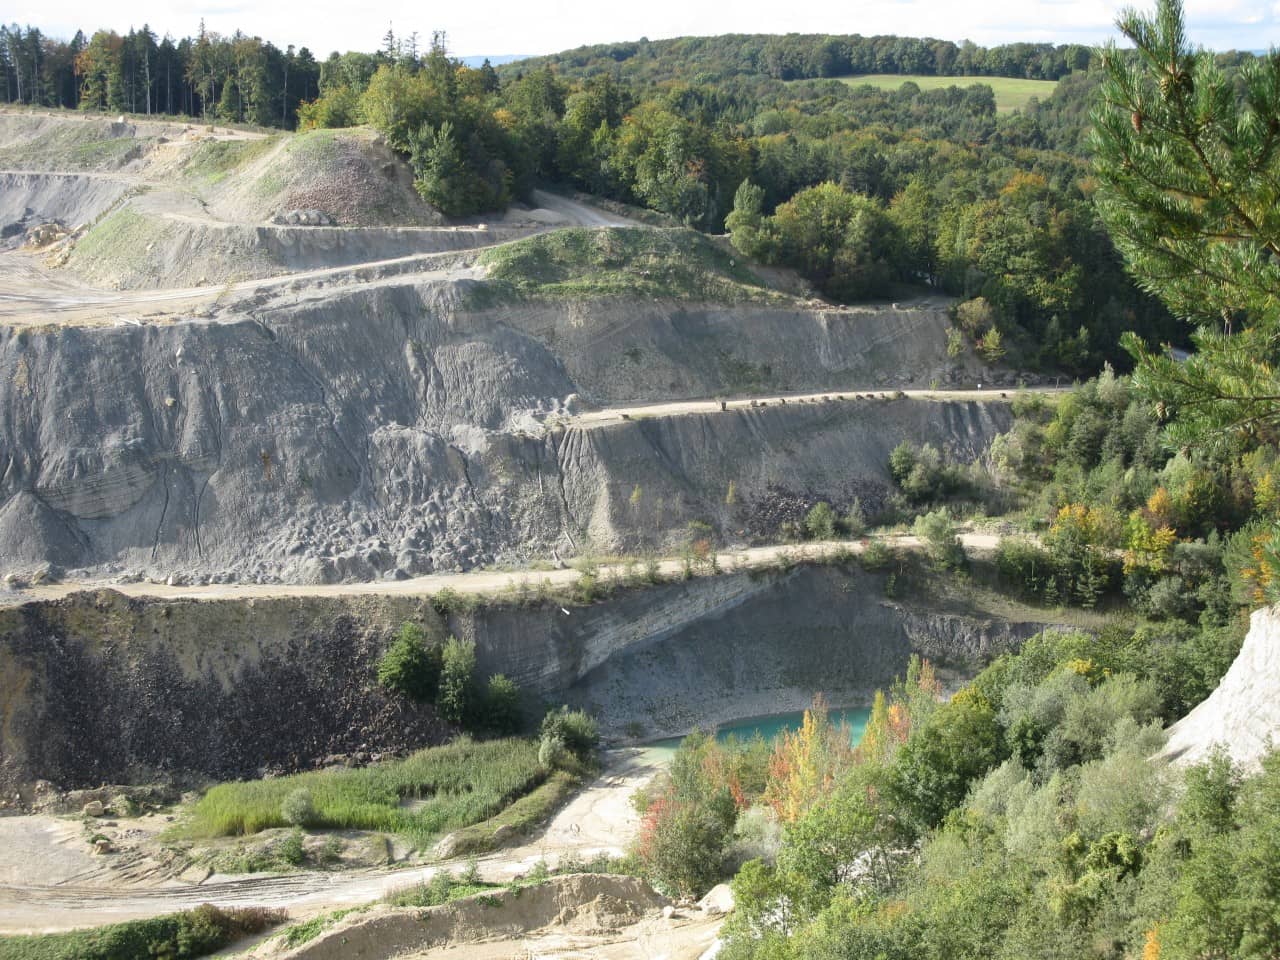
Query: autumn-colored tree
[
  {"x": 910, "y": 702},
  {"x": 806, "y": 763},
  {"x": 1147, "y": 548}
]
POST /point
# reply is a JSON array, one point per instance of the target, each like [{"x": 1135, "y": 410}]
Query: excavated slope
[
  {"x": 391, "y": 431},
  {"x": 27, "y": 199},
  {"x": 97, "y": 687}
]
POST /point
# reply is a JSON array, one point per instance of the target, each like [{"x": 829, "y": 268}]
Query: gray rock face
[
  {"x": 391, "y": 432},
  {"x": 31, "y": 198},
  {"x": 99, "y": 688}
]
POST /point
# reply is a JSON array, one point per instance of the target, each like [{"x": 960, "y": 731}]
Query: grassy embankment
[
  {"x": 192, "y": 933},
  {"x": 1011, "y": 93},
  {"x": 584, "y": 263},
  {"x": 434, "y": 790}
]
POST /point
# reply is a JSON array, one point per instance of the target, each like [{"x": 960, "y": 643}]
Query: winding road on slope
[{"x": 473, "y": 582}]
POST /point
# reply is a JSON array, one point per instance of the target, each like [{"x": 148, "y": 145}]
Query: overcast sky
[{"x": 522, "y": 26}]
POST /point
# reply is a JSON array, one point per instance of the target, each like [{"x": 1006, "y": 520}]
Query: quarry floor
[{"x": 50, "y": 881}]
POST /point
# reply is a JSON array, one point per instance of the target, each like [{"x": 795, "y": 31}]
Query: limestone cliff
[{"x": 1243, "y": 713}]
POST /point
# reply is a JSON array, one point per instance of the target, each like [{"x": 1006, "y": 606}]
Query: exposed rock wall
[
  {"x": 617, "y": 351},
  {"x": 392, "y": 431},
  {"x": 27, "y": 199},
  {"x": 1243, "y": 714},
  {"x": 100, "y": 688}
]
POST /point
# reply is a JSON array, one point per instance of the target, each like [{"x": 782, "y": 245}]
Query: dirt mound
[
  {"x": 351, "y": 176},
  {"x": 585, "y": 903}
]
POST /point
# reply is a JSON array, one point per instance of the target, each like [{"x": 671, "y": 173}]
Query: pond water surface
[{"x": 772, "y": 727}]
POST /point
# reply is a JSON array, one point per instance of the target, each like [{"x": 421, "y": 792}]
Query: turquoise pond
[{"x": 772, "y": 727}]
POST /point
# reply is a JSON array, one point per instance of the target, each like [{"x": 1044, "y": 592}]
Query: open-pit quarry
[{"x": 260, "y": 406}]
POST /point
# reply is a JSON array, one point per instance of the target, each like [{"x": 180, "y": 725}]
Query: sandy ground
[
  {"x": 45, "y": 850},
  {"x": 49, "y": 880},
  {"x": 474, "y": 582},
  {"x": 685, "y": 936}
]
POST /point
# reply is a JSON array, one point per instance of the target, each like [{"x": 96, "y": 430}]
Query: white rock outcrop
[{"x": 1243, "y": 713}]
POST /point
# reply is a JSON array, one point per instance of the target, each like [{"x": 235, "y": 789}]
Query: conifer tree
[{"x": 1188, "y": 161}]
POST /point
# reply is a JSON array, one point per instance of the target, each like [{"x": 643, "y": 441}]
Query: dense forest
[{"x": 866, "y": 192}]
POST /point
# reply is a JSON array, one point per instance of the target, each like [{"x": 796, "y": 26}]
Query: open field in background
[{"x": 1011, "y": 93}]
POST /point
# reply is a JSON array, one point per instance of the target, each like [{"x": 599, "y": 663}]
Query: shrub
[
  {"x": 938, "y": 534},
  {"x": 551, "y": 750},
  {"x": 820, "y": 522},
  {"x": 855, "y": 521},
  {"x": 410, "y": 667},
  {"x": 290, "y": 848},
  {"x": 456, "y": 697},
  {"x": 688, "y": 820},
  {"x": 1023, "y": 565},
  {"x": 502, "y": 705},
  {"x": 922, "y": 472},
  {"x": 933, "y": 769},
  {"x": 974, "y": 316},
  {"x": 447, "y": 601},
  {"x": 577, "y": 730},
  {"x": 876, "y": 556},
  {"x": 298, "y": 809}
]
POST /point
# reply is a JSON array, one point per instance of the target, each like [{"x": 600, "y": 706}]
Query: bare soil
[{"x": 49, "y": 879}]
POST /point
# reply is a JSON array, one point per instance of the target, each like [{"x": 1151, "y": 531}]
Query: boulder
[
  {"x": 93, "y": 808},
  {"x": 447, "y": 848},
  {"x": 719, "y": 899}
]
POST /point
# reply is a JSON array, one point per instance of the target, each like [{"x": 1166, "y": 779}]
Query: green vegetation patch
[
  {"x": 308, "y": 930},
  {"x": 436, "y": 789},
  {"x": 192, "y": 933},
  {"x": 522, "y": 816},
  {"x": 1011, "y": 93},
  {"x": 214, "y": 160},
  {"x": 622, "y": 262},
  {"x": 117, "y": 235}
]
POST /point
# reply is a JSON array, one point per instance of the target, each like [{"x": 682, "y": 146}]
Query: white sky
[{"x": 512, "y": 26}]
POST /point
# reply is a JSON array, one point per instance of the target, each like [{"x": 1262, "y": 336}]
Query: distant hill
[{"x": 495, "y": 60}]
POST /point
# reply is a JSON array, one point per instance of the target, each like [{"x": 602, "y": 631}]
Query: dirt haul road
[
  {"x": 475, "y": 582},
  {"x": 48, "y": 881},
  {"x": 687, "y": 407}
]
